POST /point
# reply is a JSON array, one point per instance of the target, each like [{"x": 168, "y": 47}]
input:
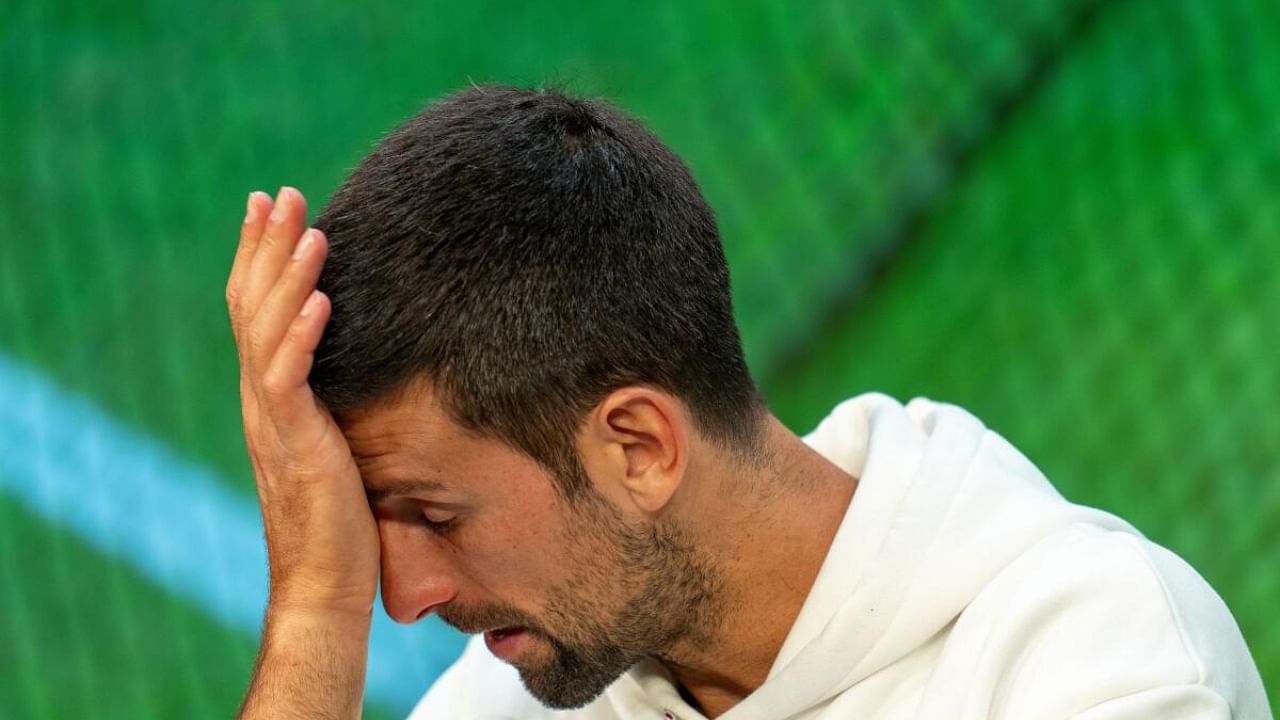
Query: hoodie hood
[{"x": 943, "y": 504}]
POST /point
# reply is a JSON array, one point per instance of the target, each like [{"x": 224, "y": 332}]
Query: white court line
[{"x": 130, "y": 497}]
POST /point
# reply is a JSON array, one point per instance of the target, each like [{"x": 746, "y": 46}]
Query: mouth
[{"x": 505, "y": 643}]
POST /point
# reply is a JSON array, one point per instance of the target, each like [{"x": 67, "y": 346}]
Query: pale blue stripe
[{"x": 129, "y": 496}]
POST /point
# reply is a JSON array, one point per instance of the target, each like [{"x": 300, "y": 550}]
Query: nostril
[{"x": 432, "y": 607}]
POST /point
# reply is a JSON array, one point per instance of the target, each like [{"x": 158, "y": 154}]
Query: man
[{"x": 502, "y": 375}]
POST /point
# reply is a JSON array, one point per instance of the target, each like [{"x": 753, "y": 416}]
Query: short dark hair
[{"x": 530, "y": 252}]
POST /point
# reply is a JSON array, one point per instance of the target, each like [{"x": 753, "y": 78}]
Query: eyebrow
[{"x": 403, "y": 487}]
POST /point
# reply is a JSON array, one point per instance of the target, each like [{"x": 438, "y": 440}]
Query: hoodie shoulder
[{"x": 1091, "y": 618}]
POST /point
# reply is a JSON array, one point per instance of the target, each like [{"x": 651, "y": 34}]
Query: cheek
[{"x": 518, "y": 555}]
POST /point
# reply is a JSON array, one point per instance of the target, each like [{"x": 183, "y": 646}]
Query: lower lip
[{"x": 505, "y": 643}]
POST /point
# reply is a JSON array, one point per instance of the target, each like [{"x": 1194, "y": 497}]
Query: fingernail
[
  {"x": 310, "y": 305},
  {"x": 250, "y": 210},
  {"x": 282, "y": 206},
  {"x": 304, "y": 245}
]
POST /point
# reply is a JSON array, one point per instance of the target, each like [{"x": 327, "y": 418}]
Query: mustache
[{"x": 473, "y": 620}]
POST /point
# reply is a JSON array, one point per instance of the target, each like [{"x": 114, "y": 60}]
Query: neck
[{"x": 778, "y": 529}]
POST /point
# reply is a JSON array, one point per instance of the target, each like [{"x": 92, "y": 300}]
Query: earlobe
[{"x": 643, "y": 434}]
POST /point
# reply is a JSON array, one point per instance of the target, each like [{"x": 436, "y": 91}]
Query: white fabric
[{"x": 959, "y": 585}]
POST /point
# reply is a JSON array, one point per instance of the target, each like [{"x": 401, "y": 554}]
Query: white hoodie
[{"x": 959, "y": 585}]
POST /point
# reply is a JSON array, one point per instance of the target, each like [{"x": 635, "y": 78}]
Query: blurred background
[{"x": 1060, "y": 214}]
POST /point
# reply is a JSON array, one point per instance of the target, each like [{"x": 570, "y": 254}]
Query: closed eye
[{"x": 438, "y": 521}]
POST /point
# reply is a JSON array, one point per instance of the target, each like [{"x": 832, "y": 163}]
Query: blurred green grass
[{"x": 1058, "y": 214}]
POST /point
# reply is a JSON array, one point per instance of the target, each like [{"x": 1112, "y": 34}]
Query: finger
[
  {"x": 284, "y": 301},
  {"x": 284, "y": 383},
  {"x": 255, "y": 220},
  {"x": 284, "y": 226}
]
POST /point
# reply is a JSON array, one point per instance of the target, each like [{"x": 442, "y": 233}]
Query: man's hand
[{"x": 322, "y": 540}]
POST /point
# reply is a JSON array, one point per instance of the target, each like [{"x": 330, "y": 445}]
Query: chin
[
  {"x": 559, "y": 688},
  {"x": 561, "y": 698}
]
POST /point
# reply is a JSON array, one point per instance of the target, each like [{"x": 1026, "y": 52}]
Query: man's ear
[{"x": 635, "y": 445}]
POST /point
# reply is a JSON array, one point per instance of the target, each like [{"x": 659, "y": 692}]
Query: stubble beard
[{"x": 637, "y": 592}]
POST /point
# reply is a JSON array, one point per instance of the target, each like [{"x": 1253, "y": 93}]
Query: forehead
[
  {"x": 410, "y": 437},
  {"x": 400, "y": 421}
]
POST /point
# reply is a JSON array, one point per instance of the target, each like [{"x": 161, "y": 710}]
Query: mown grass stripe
[{"x": 128, "y": 496}]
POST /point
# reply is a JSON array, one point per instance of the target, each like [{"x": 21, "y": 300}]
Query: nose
[{"x": 416, "y": 576}]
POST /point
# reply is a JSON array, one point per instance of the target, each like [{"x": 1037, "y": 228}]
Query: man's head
[
  {"x": 578, "y": 590},
  {"x": 531, "y": 309},
  {"x": 530, "y": 253}
]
